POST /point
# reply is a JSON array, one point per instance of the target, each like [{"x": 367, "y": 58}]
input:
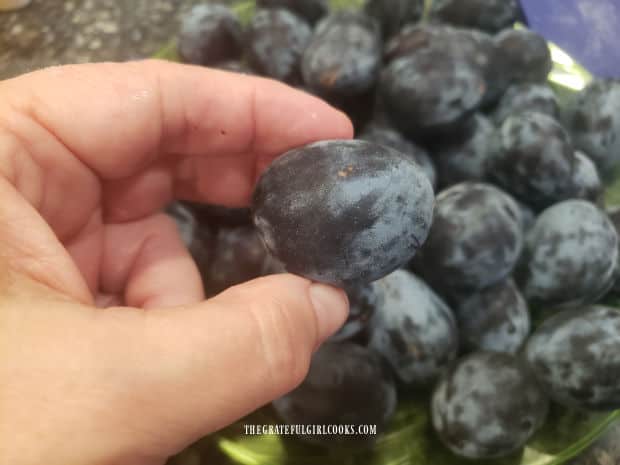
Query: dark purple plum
[
  {"x": 347, "y": 385},
  {"x": 311, "y": 10},
  {"x": 394, "y": 14},
  {"x": 210, "y": 34},
  {"x": 235, "y": 66},
  {"x": 239, "y": 255},
  {"x": 343, "y": 211},
  {"x": 486, "y": 15},
  {"x": 197, "y": 238},
  {"x": 614, "y": 216},
  {"x": 520, "y": 98},
  {"x": 214, "y": 216},
  {"x": 495, "y": 318},
  {"x": 488, "y": 406},
  {"x": 275, "y": 41},
  {"x": 522, "y": 56},
  {"x": 413, "y": 329},
  {"x": 528, "y": 217},
  {"x": 576, "y": 357},
  {"x": 474, "y": 242},
  {"x": 587, "y": 182},
  {"x": 534, "y": 160},
  {"x": 364, "y": 299},
  {"x": 384, "y": 135},
  {"x": 430, "y": 92},
  {"x": 570, "y": 256},
  {"x": 594, "y": 123},
  {"x": 343, "y": 57},
  {"x": 465, "y": 158}
]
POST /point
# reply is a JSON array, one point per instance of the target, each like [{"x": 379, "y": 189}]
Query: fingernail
[{"x": 331, "y": 306}]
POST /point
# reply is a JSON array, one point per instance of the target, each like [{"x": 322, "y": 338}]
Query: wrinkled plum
[
  {"x": 347, "y": 385},
  {"x": 488, "y": 406},
  {"x": 474, "y": 242},
  {"x": 570, "y": 255},
  {"x": 210, "y": 33},
  {"x": 275, "y": 40},
  {"x": 311, "y": 10},
  {"x": 343, "y": 211},
  {"x": 487, "y": 15},
  {"x": 586, "y": 180},
  {"x": 343, "y": 57},
  {"x": 522, "y": 56},
  {"x": 430, "y": 92},
  {"x": 413, "y": 329},
  {"x": 197, "y": 238},
  {"x": 465, "y": 158},
  {"x": 387, "y": 136},
  {"x": 576, "y": 357},
  {"x": 520, "y": 98},
  {"x": 364, "y": 299},
  {"x": 534, "y": 160},
  {"x": 394, "y": 14},
  {"x": 496, "y": 319},
  {"x": 594, "y": 122},
  {"x": 239, "y": 255}
]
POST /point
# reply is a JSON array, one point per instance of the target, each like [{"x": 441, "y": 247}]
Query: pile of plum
[{"x": 469, "y": 203}]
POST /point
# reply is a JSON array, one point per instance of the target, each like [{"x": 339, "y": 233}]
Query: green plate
[{"x": 409, "y": 439}]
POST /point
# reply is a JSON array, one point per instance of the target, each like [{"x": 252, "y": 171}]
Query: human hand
[{"x": 89, "y": 156}]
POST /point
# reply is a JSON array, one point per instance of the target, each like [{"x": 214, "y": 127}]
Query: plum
[
  {"x": 522, "y": 56},
  {"x": 343, "y": 211},
  {"x": 465, "y": 158},
  {"x": 526, "y": 97},
  {"x": 275, "y": 40},
  {"x": 495, "y": 318},
  {"x": 214, "y": 216},
  {"x": 570, "y": 256},
  {"x": 413, "y": 329},
  {"x": 475, "y": 240},
  {"x": 575, "y": 355},
  {"x": 486, "y": 15},
  {"x": 347, "y": 385},
  {"x": 586, "y": 180},
  {"x": 239, "y": 255},
  {"x": 364, "y": 299},
  {"x": 311, "y": 10},
  {"x": 430, "y": 92},
  {"x": 210, "y": 33},
  {"x": 394, "y": 14},
  {"x": 384, "y": 135},
  {"x": 594, "y": 123},
  {"x": 343, "y": 57},
  {"x": 533, "y": 159},
  {"x": 488, "y": 406}
]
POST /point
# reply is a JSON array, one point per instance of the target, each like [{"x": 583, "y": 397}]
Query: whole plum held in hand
[
  {"x": 388, "y": 137},
  {"x": 570, "y": 256},
  {"x": 488, "y": 406},
  {"x": 495, "y": 318},
  {"x": 311, "y": 10},
  {"x": 394, "y": 14},
  {"x": 347, "y": 385},
  {"x": 343, "y": 211},
  {"x": 210, "y": 34},
  {"x": 474, "y": 242},
  {"x": 594, "y": 121},
  {"x": 487, "y": 15},
  {"x": 534, "y": 160},
  {"x": 413, "y": 329},
  {"x": 275, "y": 42},
  {"x": 576, "y": 357},
  {"x": 343, "y": 57}
]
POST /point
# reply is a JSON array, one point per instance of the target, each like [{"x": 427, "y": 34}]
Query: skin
[{"x": 105, "y": 337}]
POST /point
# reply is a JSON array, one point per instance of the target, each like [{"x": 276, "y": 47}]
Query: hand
[{"x": 89, "y": 156}]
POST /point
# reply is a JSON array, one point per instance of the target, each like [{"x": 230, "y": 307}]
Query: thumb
[{"x": 223, "y": 358}]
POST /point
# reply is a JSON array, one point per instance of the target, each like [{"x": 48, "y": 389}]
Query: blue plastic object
[{"x": 588, "y": 30}]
